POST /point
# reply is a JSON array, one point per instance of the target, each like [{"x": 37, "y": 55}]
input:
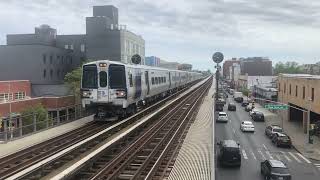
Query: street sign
[
  {"x": 276, "y": 106},
  {"x": 136, "y": 59}
]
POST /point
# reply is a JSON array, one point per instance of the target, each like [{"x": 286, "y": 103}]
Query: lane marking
[
  {"x": 285, "y": 156},
  {"x": 263, "y": 157},
  {"x": 253, "y": 155},
  {"x": 244, "y": 154},
  {"x": 268, "y": 153},
  {"x": 303, "y": 158},
  {"x": 317, "y": 164},
  {"x": 265, "y": 147},
  {"x": 291, "y": 154},
  {"x": 278, "y": 157}
]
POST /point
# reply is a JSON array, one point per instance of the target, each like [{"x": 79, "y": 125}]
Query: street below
[{"x": 257, "y": 147}]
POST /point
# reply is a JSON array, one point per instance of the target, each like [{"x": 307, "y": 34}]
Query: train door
[
  {"x": 138, "y": 83},
  {"x": 147, "y": 81},
  {"x": 169, "y": 80}
]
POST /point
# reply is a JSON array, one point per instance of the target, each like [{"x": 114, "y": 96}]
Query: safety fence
[{"x": 17, "y": 126}]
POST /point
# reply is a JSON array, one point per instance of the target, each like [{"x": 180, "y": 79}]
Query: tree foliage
[
  {"x": 73, "y": 80},
  {"x": 40, "y": 114},
  {"x": 289, "y": 67}
]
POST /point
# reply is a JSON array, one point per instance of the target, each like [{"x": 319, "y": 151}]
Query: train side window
[
  {"x": 130, "y": 80},
  {"x": 152, "y": 80},
  {"x": 165, "y": 79},
  {"x": 103, "y": 79}
]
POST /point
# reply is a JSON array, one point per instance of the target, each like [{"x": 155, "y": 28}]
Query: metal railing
[{"x": 23, "y": 125}]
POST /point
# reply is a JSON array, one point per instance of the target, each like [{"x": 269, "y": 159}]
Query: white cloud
[{"x": 187, "y": 30}]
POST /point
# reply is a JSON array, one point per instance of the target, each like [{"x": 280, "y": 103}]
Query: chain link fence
[{"x": 17, "y": 126}]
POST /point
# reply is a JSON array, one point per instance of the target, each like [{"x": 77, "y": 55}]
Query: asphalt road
[{"x": 256, "y": 147}]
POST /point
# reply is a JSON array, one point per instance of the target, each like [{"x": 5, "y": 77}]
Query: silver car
[{"x": 222, "y": 117}]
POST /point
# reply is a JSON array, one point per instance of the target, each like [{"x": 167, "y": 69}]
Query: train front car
[{"x": 104, "y": 89}]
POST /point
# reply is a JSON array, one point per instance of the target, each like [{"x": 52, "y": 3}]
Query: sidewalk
[{"x": 295, "y": 131}]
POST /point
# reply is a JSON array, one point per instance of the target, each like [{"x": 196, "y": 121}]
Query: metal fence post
[
  {"x": 75, "y": 112},
  {"x": 58, "y": 117},
  {"x": 5, "y": 130},
  {"x": 47, "y": 120},
  {"x": 34, "y": 122},
  {"x": 67, "y": 113},
  {"x": 20, "y": 126}
]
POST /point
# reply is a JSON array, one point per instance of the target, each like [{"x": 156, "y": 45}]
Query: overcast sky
[{"x": 188, "y": 31}]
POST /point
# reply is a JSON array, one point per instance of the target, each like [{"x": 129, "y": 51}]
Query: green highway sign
[{"x": 274, "y": 106}]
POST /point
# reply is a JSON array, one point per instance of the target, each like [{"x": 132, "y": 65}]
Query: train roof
[{"x": 138, "y": 65}]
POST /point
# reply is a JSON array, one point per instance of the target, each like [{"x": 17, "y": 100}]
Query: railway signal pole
[{"x": 217, "y": 58}]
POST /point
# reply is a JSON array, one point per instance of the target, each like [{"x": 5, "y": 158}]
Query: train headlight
[
  {"x": 86, "y": 94},
  {"x": 121, "y": 93}
]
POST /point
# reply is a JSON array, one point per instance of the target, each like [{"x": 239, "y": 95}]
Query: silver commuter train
[{"x": 114, "y": 90}]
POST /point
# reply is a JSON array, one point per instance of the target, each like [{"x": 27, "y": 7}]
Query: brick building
[{"x": 15, "y": 97}]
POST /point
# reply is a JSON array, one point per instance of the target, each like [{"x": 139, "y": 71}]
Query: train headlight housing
[
  {"x": 121, "y": 93},
  {"x": 86, "y": 94}
]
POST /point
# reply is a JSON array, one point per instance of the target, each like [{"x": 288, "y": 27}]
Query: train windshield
[
  {"x": 89, "y": 76},
  {"x": 117, "y": 76}
]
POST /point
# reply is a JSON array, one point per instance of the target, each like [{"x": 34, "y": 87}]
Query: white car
[
  {"x": 222, "y": 117},
  {"x": 247, "y": 126},
  {"x": 252, "y": 112}
]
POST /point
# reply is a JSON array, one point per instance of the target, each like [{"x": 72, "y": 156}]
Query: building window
[
  {"x": 6, "y": 97},
  {"x": 19, "y": 95},
  {"x": 296, "y": 91},
  {"x": 70, "y": 60},
  {"x": 312, "y": 94},
  {"x": 51, "y": 59},
  {"x": 58, "y": 57},
  {"x": 303, "y": 92},
  {"x": 44, "y": 73},
  {"x": 62, "y": 59},
  {"x": 51, "y": 73},
  {"x": 58, "y": 73},
  {"x": 82, "y": 48},
  {"x": 66, "y": 46},
  {"x": 71, "y": 46},
  {"x": 44, "y": 58},
  {"x": 290, "y": 89},
  {"x": 152, "y": 81}
]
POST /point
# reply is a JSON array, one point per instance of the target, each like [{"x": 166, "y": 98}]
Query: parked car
[
  {"x": 222, "y": 117},
  {"x": 281, "y": 139},
  {"x": 232, "y": 107},
  {"x": 244, "y": 103},
  {"x": 270, "y": 130},
  {"x": 246, "y": 126},
  {"x": 274, "y": 169},
  {"x": 229, "y": 153},
  {"x": 257, "y": 116}
]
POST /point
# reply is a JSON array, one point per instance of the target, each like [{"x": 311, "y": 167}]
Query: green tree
[
  {"x": 40, "y": 114},
  {"x": 289, "y": 67},
  {"x": 73, "y": 80}
]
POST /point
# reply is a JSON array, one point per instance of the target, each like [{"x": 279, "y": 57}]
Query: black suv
[
  {"x": 229, "y": 153},
  {"x": 244, "y": 103},
  {"x": 257, "y": 116},
  {"x": 274, "y": 169},
  {"x": 232, "y": 107}
]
